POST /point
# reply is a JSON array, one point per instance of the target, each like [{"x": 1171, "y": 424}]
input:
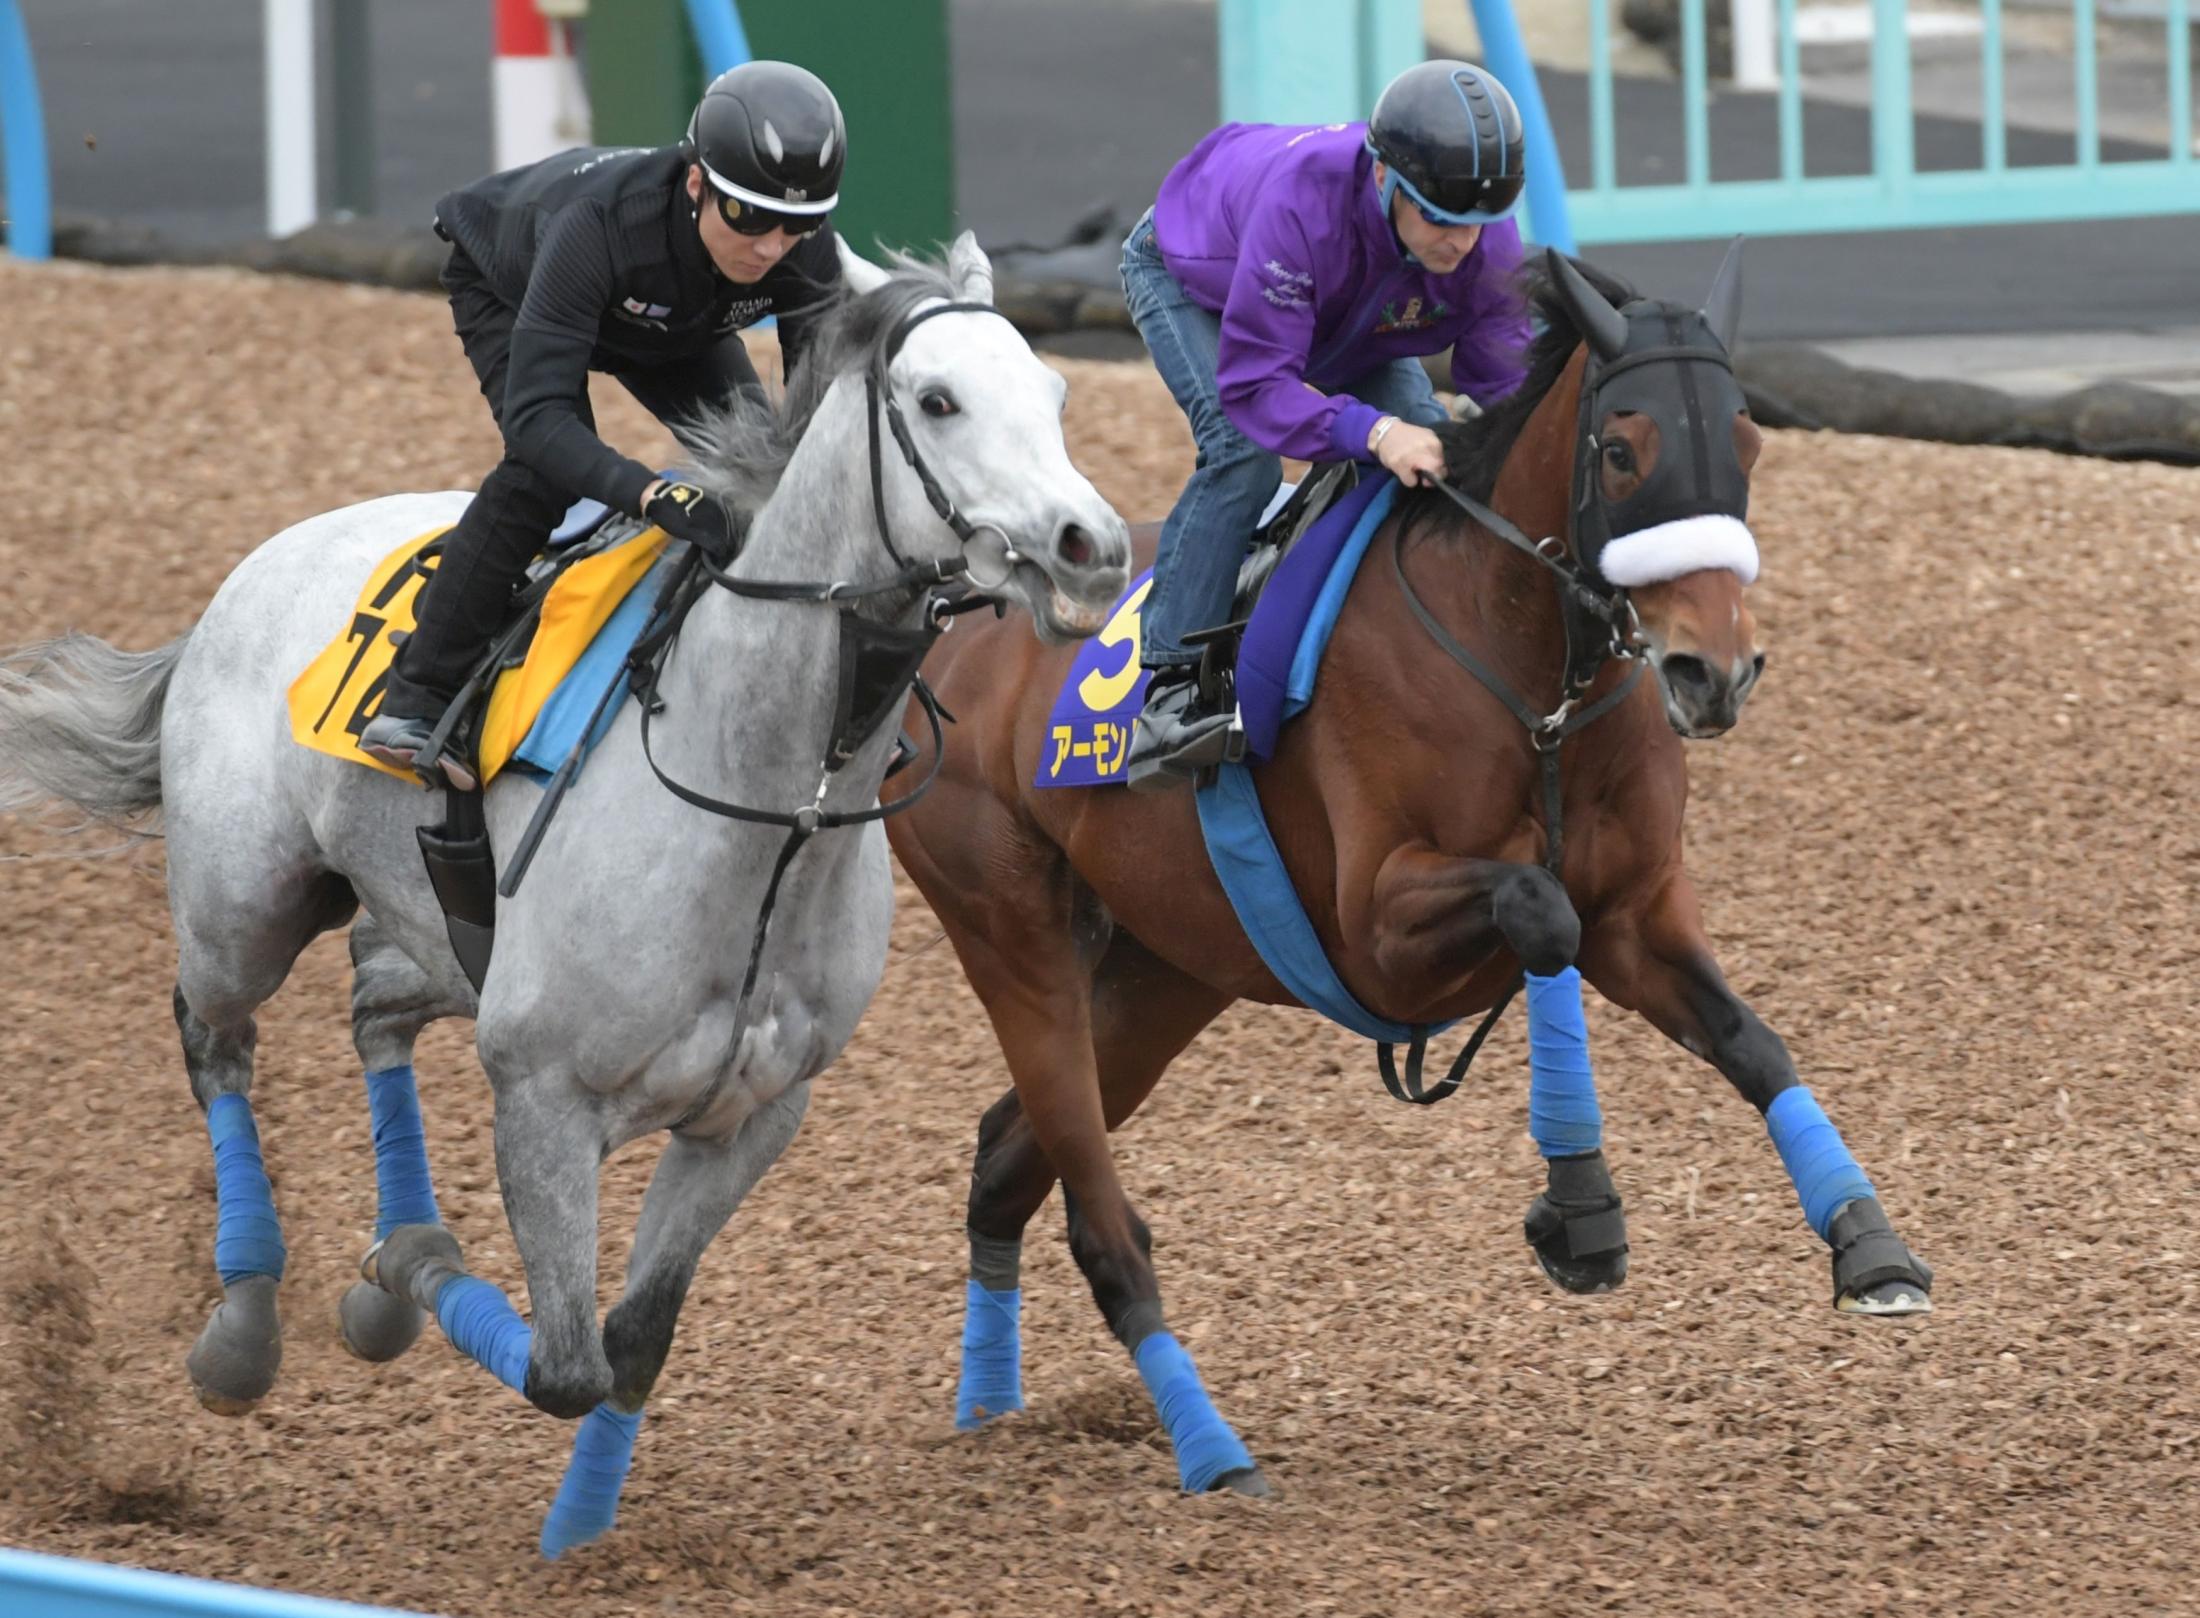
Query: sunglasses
[{"x": 747, "y": 219}]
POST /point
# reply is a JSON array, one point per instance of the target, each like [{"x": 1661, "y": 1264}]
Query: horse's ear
[
  {"x": 860, "y": 274},
  {"x": 970, "y": 269},
  {"x": 1604, "y": 326},
  {"x": 1722, "y": 310}
]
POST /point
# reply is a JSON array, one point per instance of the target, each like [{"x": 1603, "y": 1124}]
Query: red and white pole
[{"x": 540, "y": 105}]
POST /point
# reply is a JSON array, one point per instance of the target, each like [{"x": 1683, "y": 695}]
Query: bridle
[{"x": 1600, "y": 625}]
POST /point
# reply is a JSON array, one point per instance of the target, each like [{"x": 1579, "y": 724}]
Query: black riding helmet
[
  {"x": 1451, "y": 138},
  {"x": 770, "y": 134}
]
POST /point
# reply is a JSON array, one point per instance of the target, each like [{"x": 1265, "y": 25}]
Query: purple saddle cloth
[{"x": 1281, "y": 612}]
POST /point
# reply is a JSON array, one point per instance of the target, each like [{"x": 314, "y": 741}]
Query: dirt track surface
[{"x": 1950, "y": 854}]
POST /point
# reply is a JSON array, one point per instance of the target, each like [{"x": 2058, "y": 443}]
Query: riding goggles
[
  {"x": 1495, "y": 199},
  {"x": 747, "y": 219}
]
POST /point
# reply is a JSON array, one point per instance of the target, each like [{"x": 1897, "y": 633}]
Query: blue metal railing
[
  {"x": 1313, "y": 61},
  {"x": 1894, "y": 195},
  {"x": 23, "y": 134},
  {"x": 57, "y": 1587},
  {"x": 1505, "y": 54},
  {"x": 719, "y": 37}
]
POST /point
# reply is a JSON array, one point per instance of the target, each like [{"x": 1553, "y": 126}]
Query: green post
[
  {"x": 644, "y": 77},
  {"x": 887, "y": 61}
]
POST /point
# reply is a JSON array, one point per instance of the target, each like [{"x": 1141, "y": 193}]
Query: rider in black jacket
[{"x": 641, "y": 262}]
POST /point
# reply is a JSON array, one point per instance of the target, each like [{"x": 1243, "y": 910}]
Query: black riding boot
[{"x": 1178, "y": 733}]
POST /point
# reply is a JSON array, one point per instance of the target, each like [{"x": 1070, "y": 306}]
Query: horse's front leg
[
  {"x": 1657, "y": 961},
  {"x": 1435, "y": 916},
  {"x": 698, "y": 1184},
  {"x": 550, "y": 1147}
]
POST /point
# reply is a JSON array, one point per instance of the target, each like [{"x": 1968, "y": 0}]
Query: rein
[{"x": 1581, "y": 601}]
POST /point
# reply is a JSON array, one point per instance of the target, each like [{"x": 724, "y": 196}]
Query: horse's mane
[
  {"x": 741, "y": 449},
  {"x": 1475, "y": 450}
]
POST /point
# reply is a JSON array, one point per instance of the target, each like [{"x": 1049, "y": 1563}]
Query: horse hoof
[
  {"x": 234, "y": 1361},
  {"x": 1888, "y": 1300},
  {"x": 412, "y": 1262},
  {"x": 1249, "y": 1481},
  {"x": 1587, "y": 1277},
  {"x": 1581, "y": 1243},
  {"x": 375, "y": 1326}
]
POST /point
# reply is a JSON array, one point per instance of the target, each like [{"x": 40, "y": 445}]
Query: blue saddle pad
[{"x": 557, "y": 728}]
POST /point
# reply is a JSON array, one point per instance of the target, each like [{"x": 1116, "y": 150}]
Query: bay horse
[
  {"x": 1414, "y": 812},
  {"x": 619, "y": 1001}
]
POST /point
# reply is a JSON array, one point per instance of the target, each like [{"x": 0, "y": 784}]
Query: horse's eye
[
  {"x": 1619, "y": 457},
  {"x": 937, "y": 403}
]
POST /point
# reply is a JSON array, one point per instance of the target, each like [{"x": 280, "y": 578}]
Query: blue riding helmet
[{"x": 1451, "y": 139}]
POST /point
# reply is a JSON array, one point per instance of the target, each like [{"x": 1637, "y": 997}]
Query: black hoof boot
[
  {"x": 1873, "y": 1272},
  {"x": 1576, "y": 1227}
]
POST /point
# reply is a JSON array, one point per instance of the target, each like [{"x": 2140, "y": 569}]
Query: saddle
[
  {"x": 1089, "y": 728},
  {"x": 567, "y": 598},
  {"x": 535, "y": 699},
  {"x": 1297, "y": 507}
]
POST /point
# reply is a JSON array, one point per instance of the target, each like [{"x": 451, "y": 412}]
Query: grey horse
[{"x": 614, "y": 1007}]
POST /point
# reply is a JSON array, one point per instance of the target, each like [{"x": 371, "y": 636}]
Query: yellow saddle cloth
[{"x": 340, "y": 690}]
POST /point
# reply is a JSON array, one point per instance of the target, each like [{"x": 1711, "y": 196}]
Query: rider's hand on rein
[
  {"x": 686, "y": 512},
  {"x": 1412, "y": 454}
]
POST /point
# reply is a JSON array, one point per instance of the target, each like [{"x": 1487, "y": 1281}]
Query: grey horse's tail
[{"x": 80, "y": 725}]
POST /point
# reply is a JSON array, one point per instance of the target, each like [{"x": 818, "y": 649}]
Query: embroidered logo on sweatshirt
[
  {"x": 1415, "y": 316},
  {"x": 1290, "y": 287},
  {"x": 744, "y": 312}
]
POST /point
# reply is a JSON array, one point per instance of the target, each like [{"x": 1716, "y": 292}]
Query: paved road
[{"x": 1063, "y": 107}]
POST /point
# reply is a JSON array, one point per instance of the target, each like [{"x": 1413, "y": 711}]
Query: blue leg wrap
[
  {"x": 407, "y": 1195},
  {"x": 588, "y": 1499},
  {"x": 482, "y": 1324},
  {"x": 1817, "y": 1160},
  {"x": 248, "y": 1238},
  {"x": 993, "y": 1352},
  {"x": 1206, "y": 1448},
  {"x": 1562, "y": 1088}
]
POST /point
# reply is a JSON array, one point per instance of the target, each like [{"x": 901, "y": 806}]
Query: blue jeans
[{"x": 1205, "y": 539}]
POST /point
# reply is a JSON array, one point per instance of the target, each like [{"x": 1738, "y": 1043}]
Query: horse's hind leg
[
  {"x": 1144, "y": 1012},
  {"x": 1039, "y": 992},
  {"x": 234, "y": 1361},
  {"x": 224, "y": 971},
  {"x": 391, "y": 1001}
]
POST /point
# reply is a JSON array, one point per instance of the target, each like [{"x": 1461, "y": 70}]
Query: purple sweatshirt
[{"x": 1279, "y": 229}]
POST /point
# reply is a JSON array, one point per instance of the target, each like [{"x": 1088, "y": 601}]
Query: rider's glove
[{"x": 686, "y": 512}]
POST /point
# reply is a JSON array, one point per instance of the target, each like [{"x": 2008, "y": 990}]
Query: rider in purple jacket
[{"x": 1287, "y": 281}]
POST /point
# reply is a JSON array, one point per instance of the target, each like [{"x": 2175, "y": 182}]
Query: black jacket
[{"x": 597, "y": 250}]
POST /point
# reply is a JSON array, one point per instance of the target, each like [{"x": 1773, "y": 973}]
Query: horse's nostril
[
  {"x": 1686, "y": 672},
  {"x": 1075, "y": 546}
]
